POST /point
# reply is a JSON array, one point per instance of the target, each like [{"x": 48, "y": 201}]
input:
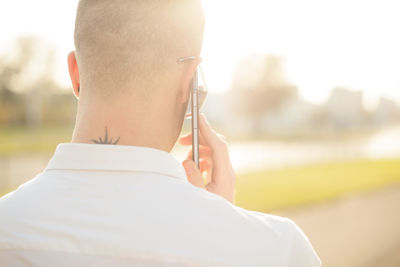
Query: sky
[{"x": 325, "y": 44}]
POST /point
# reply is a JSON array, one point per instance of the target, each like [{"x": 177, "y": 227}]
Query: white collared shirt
[{"x": 106, "y": 205}]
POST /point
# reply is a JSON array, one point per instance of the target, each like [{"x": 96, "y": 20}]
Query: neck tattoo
[{"x": 106, "y": 140}]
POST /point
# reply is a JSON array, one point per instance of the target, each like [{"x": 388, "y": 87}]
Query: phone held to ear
[
  {"x": 197, "y": 96},
  {"x": 195, "y": 119}
]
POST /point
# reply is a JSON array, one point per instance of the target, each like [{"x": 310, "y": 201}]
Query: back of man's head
[{"x": 132, "y": 45}]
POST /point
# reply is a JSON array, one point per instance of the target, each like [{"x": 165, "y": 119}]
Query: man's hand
[{"x": 214, "y": 161}]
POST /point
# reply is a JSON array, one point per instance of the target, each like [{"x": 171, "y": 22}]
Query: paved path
[{"x": 355, "y": 231}]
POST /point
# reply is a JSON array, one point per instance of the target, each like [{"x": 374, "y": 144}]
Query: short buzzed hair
[{"x": 120, "y": 43}]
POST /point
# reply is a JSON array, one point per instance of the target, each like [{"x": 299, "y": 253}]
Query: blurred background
[{"x": 307, "y": 93}]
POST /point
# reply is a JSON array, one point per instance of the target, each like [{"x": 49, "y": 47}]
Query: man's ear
[
  {"x": 74, "y": 73},
  {"x": 190, "y": 69}
]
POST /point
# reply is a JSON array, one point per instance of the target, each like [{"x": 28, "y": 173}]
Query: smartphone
[
  {"x": 195, "y": 106},
  {"x": 198, "y": 93}
]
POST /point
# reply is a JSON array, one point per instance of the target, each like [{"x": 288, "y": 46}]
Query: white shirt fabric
[{"x": 111, "y": 205}]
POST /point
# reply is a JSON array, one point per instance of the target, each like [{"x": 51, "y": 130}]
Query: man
[{"x": 114, "y": 196}]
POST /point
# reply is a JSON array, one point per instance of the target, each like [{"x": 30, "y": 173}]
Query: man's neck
[{"x": 123, "y": 125}]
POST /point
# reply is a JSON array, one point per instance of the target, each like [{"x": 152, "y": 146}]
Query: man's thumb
[{"x": 193, "y": 173}]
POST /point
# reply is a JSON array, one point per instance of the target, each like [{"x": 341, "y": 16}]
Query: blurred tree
[
  {"x": 26, "y": 71},
  {"x": 260, "y": 86},
  {"x": 10, "y": 101}
]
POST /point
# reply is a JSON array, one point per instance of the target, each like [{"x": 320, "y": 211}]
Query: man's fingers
[
  {"x": 205, "y": 166},
  {"x": 184, "y": 140},
  {"x": 220, "y": 175},
  {"x": 217, "y": 144},
  {"x": 207, "y": 136},
  {"x": 187, "y": 140},
  {"x": 204, "y": 151},
  {"x": 193, "y": 173},
  {"x": 214, "y": 140}
]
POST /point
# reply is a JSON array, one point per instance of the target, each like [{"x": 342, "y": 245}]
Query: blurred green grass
[
  {"x": 14, "y": 140},
  {"x": 296, "y": 186}
]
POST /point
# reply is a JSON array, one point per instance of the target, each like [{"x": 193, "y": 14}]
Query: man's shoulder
[
  {"x": 266, "y": 219},
  {"x": 254, "y": 223},
  {"x": 16, "y": 194},
  {"x": 280, "y": 226},
  {"x": 268, "y": 231},
  {"x": 301, "y": 252}
]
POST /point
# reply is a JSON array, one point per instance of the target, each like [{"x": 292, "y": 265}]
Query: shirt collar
[{"x": 98, "y": 157}]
